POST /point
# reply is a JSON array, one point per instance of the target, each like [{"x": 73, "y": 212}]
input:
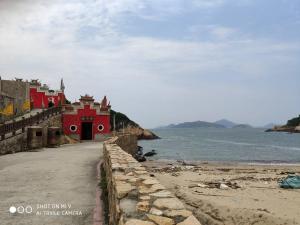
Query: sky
[{"x": 161, "y": 61}]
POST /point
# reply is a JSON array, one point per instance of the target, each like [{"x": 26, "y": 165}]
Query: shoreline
[
  {"x": 199, "y": 162},
  {"x": 232, "y": 193}
]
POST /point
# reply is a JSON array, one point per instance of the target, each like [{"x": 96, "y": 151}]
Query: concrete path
[{"x": 52, "y": 186}]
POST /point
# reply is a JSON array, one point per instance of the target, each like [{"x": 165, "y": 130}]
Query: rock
[
  {"x": 168, "y": 203},
  {"x": 191, "y": 220},
  {"x": 148, "y": 135},
  {"x": 153, "y": 188},
  {"x": 150, "y": 181},
  {"x": 223, "y": 187},
  {"x": 140, "y": 172},
  {"x": 160, "y": 220},
  {"x": 143, "y": 206},
  {"x": 122, "y": 177},
  {"x": 144, "y": 197},
  {"x": 123, "y": 189},
  {"x": 181, "y": 212},
  {"x": 202, "y": 185},
  {"x": 149, "y": 154},
  {"x": 138, "y": 222},
  {"x": 142, "y": 134},
  {"x": 161, "y": 194},
  {"x": 145, "y": 190},
  {"x": 128, "y": 206},
  {"x": 157, "y": 187},
  {"x": 156, "y": 211},
  {"x": 189, "y": 167}
]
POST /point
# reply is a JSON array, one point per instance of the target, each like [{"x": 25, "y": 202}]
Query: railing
[{"x": 15, "y": 125}]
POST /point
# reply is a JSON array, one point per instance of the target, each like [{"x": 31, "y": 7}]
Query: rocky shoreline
[
  {"x": 141, "y": 133},
  {"x": 284, "y": 129}
]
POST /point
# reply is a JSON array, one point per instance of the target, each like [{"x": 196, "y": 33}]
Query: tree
[{"x": 294, "y": 122}]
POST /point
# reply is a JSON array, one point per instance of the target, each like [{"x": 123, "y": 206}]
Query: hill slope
[{"x": 121, "y": 120}]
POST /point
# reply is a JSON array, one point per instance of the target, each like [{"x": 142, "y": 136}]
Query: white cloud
[
  {"x": 208, "y": 3},
  {"x": 44, "y": 40},
  {"x": 215, "y": 32}
]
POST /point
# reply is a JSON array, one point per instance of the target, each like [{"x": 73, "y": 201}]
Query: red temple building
[
  {"x": 87, "y": 119},
  {"x": 83, "y": 120},
  {"x": 42, "y": 97}
]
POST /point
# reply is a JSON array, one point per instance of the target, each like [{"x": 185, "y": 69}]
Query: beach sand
[{"x": 252, "y": 198}]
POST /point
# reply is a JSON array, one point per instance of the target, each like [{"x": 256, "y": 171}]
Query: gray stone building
[{"x": 14, "y": 98}]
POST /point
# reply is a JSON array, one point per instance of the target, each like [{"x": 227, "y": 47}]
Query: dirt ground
[
  {"x": 51, "y": 186},
  {"x": 251, "y": 195}
]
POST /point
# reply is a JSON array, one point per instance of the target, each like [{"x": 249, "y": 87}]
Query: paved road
[{"x": 58, "y": 185}]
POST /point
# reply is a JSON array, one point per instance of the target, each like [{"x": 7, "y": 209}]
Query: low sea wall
[{"x": 135, "y": 197}]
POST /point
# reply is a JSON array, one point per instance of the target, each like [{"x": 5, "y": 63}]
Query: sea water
[{"x": 220, "y": 144}]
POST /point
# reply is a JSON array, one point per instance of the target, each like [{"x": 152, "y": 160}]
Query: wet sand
[{"x": 251, "y": 196}]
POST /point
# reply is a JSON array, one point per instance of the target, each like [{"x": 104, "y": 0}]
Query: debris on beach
[
  {"x": 290, "y": 182},
  {"x": 217, "y": 184},
  {"x": 175, "y": 174},
  {"x": 223, "y": 186}
]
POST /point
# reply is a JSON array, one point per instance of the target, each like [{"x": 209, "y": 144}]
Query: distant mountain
[
  {"x": 242, "y": 126},
  {"x": 195, "y": 125},
  {"x": 226, "y": 123}
]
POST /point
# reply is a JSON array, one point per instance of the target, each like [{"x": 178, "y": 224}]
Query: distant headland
[{"x": 292, "y": 126}]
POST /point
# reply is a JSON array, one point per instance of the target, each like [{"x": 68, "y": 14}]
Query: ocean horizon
[{"x": 241, "y": 145}]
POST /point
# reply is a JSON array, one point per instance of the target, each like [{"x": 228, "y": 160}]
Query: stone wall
[
  {"x": 127, "y": 142},
  {"x": 14, "y": 144},
  {"x": 136, "y": 198},
  {"x": 18, "y": 143}
]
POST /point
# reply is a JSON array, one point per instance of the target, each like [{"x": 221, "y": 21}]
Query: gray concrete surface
[{"x": 58, "y": 185}]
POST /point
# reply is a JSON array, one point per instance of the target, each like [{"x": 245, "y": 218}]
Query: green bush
[
  {"x": 294, "y": 122},
  {"x": 120, "y": 120}
]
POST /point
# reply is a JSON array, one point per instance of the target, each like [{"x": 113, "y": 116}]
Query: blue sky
[{"x": 159, "y": 61}]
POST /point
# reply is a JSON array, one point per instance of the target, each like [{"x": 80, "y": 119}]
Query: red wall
[
  {"x": 37, "y": 99},
  {"x": 69, "y": 120}
]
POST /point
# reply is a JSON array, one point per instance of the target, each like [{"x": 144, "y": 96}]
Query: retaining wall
[
  {"x": 136, "y": 198},
  {"x": 18, "y": 143}
]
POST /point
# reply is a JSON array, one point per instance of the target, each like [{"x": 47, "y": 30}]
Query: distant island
[
  {"x": 292, "y": 126},
  {"x": 194, "y": 124},
  {"x": 244, "y": 126},
  {"x": 226, "y": 123}
]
